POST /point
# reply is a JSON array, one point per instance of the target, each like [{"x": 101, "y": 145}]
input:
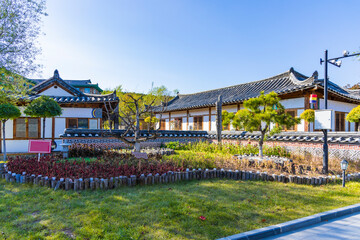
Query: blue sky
[{"x": 196, "y": 45}]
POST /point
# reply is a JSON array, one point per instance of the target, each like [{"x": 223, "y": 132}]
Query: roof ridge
[
  {"x": 56, "y": 77},
  {"x": 266, "y": 79}
]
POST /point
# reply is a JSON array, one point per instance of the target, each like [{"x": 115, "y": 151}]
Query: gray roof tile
[{"x": 287, "y": 82}]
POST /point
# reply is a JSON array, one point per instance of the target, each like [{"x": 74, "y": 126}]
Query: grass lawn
[{"x": 164, "y": 211}]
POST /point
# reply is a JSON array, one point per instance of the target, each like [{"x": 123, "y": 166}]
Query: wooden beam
[
  {"x": 187, "y": 120},
  {"x": 209, "y": 118}
]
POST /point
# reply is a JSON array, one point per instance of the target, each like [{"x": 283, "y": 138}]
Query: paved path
[{"x": 347, "y": 227}]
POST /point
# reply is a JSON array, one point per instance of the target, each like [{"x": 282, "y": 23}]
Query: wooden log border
[{"x": 169, "y": 177}]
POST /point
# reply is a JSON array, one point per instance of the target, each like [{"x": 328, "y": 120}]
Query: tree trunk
[
  {"x": 3, "y": 136},
  {"x": 137, "y": 130},
  {"x": 261, "y": 142},
  {"x": 43, "y": 137}
]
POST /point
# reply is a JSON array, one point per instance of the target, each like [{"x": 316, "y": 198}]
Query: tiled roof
[
  {"x": 79, "y": 97},
  {"x": 87, "y": 98},
  {"x": 55, "y": 79},
  {"x": 287, "y": 82},
  {"x": 71, "y": 82},
  {"x": 333, "y": 137}
]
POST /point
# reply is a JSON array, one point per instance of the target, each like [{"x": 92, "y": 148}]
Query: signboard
[
  {"x": 313, "y": 101},
  {"x": 140, "y": 155},
  {"x": 323, "y": 119},
  {"x": 96, "y": 113},
  {"x": 313, "y": 98},
  {"x": 39, "y": 146}
]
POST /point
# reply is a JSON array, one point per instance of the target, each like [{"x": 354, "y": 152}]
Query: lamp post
[
  {"x": 336, "y": 62},
  {"x": 344, "y": 165}
]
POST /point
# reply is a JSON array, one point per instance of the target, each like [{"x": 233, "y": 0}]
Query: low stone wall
[
  {"x": 342, "y": 145},
  {"x": 169, "y": 177},
  {"x": 117, "y": 143}
]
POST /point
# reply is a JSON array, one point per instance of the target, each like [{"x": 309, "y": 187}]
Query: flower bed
[{"x": 54, "y": 167}]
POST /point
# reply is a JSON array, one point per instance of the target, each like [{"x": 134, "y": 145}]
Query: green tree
[
  {"x": 19, "y": 29},
  {"x": 260, "y": 114},
  {"x": 354, "y": 115},
  {"x": 7, "y": 111},
  {"x": 308, "y": 115},
  {"x": 43, "y": 107},
  {"x": 227, "y": 118},
  {"x": 136, "y": 106},
  {"x": 151, "y": 122}
]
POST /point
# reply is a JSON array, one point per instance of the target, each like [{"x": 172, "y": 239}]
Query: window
[
  {"x": 71, "y": 123},
  {"x": 198, "y": 122},
  {"x": 93, "y": 123},
  {"x": 340, "y": 121},
  {"x": 83, "y": 123},
  {"x": 177, "y": 123},
  {"x": 162, "y": 124},
  {"x": 77, "y": 123},
  {"x": 27, "y": 128},
  {"x": 86, "y": 90}
]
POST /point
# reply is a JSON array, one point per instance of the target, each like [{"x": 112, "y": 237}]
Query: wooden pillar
[
  {"x": 209, "y": 118},
  {"x": 53, "y": 129},
  {"x": 169, "y": 121},
  {"x": 187, "y": 119},
  {"x": 306, "y": 106}
]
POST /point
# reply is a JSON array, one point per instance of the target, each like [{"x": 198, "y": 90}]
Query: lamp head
[
  {"x": 344, "y": 164},
  {"x": 338, "y": 63}
]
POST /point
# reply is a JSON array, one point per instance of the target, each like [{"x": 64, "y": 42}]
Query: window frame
[
  {"x": 196, "y": 123},
  {"x": 178, "y": 124},
  {"x": 341, "y": 121},
  {"x": 77, "y": 123},
  {"x": 26, "y": 128}
]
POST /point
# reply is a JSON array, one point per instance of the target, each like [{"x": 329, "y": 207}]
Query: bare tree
[{"x": 135, "y": 107}]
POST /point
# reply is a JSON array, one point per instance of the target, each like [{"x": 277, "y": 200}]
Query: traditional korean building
[
  {"x": 82, "y": 106},
  {"x": 197, "y": 111}
]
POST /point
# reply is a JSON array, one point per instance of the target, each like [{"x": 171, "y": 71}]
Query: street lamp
[
  {"x": 336, "y": 62},
  {"x": 344, "y": 165}
]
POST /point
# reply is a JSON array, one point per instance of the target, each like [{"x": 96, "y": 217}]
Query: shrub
[
  {"x": 54, "y": 167},
  {"x": 227, "y": 148}
]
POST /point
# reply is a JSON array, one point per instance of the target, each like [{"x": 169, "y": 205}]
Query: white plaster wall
[
  {"x": 206, "y": 123},
  {"x": 184, "y": 123},
  {"x": 178, "y": 114},
  {"x": 9, "y": 128},
  {"x": 338, "y": 106},
  {"x": 198, "y": 112},
  {"x": 60, "y": 125},
  {"x": 56, "y": 92},
  {"x": 164, "y": 115},
  {"x": 301, "y": 126},
  {"x": 230, "y": 108},
  {"x": 48, "y": 127},
  {"x": 213, "y": 123},
  {"x": 167, "y": 125},
  {"x": 293, "y": 103},
  {"x": 77, "y": 112},
  {"x": 191, "y": 123},
  {"x": 13, "y": 146}
]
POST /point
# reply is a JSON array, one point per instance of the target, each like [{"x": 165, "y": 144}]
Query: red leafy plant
[{"x": 56, "y": 167}]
